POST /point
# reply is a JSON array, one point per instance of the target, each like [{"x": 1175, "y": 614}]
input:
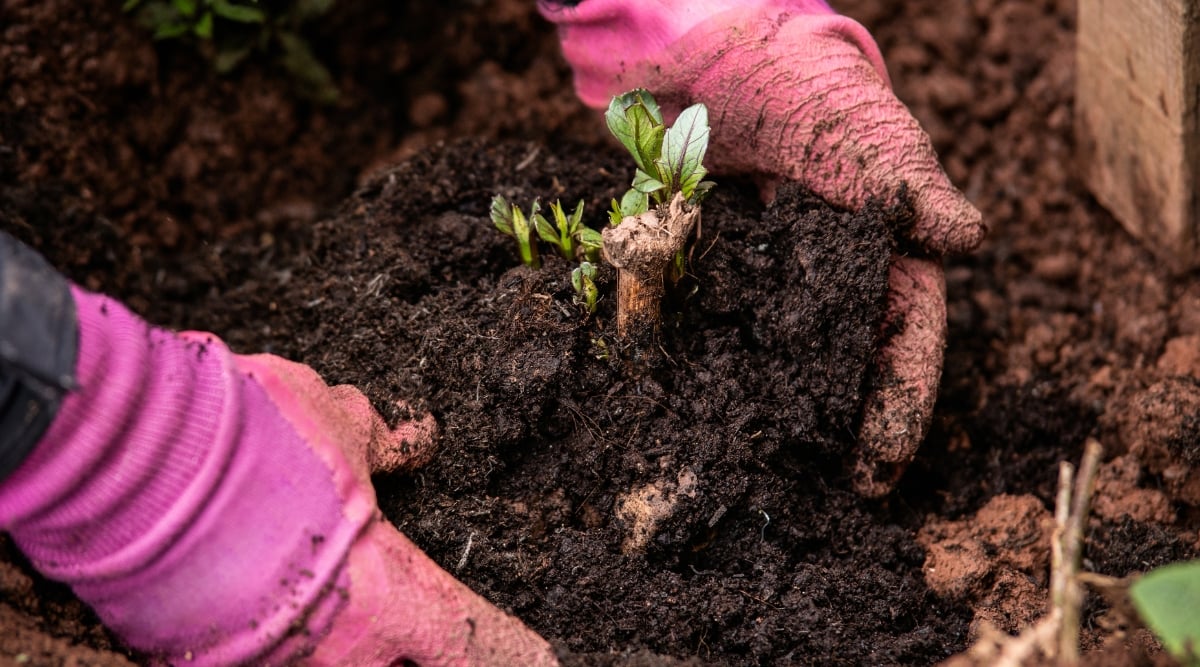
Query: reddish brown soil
[{"x": 140, "y": 173}]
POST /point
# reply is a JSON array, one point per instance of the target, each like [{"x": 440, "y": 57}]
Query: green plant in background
[
  {"x": 669, "y": 160},
  {"x": 511, "y": 221},
  {"x": 1168, "y": 600},
  {"x": 176, "y": 18},
  {"x": 238, "y": 28}
]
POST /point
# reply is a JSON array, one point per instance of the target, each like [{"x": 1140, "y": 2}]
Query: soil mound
[{"x": 581, "y": 492}]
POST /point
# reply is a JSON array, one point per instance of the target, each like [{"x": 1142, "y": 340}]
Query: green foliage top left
[{"x": 239, "y": 28}]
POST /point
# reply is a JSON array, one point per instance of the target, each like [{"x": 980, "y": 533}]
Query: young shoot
[
  {"x": 654, "y": 219},
  {"x": 511, "y": 221},
  {"x": 568, "y": 233},
  {"x": 669, "y": 160},
  {"x": 583, "y": 279}
]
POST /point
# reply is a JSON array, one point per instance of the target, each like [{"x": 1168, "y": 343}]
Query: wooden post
[{"x": 1137, "y": 118}]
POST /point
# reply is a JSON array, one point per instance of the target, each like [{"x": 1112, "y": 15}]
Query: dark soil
[
  {"x": 207, "y": 202},
  {"x": 411, "y": 292},
  {"x": 148, "y": 154}
]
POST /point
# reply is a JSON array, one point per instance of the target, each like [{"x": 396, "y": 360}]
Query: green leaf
[
  {"x": 229, "y": 57},
  {"x": 636, "y": 121},
  {"x": 643, "y": 182},
  {"x": 523, "y": 226},
  {"x": 615, "y": 216},
  {"x": 546, "y": 230},
  {"x": 535, "y": 208},
  {"x": 590, "y": 238},
  {"x": 170, "y": 30},
  {"x": 560, "y": 219},
  {"x": 525, "y": 243},
  {"x": 576, "y": 217},
  {"x": 1168, "y": 600},
  {"x": 683, "y": 150},
  {"x": 239, "y": 13},
  {"x": 591, "y": 241},
  {"x": 701, "y": 191},
  {"x": 502, "y": 215},
  {"x": 644, "y": 98},
  {"x": 577, "y": 279},
  {"x": 130, "y": 5},
  {"x": 305, "y": 10},
  {"x": 691, "y": 181},
  {"x": 185, "y": 7},
  {"x": 583, "y": 279},
  {"x": 204, "y": 27},
  {"x": 565, "y": 239},
  {"x": 315, "y": 82},
  {"x": 634, "y": 203}
]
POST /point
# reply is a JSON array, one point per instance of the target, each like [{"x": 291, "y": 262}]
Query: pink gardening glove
[
  {"x": 796, "y": 92},
  {"x": 217, "y": 509}
]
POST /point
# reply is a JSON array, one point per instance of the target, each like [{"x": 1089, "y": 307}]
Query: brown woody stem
[{"x": 642, "y": 248}]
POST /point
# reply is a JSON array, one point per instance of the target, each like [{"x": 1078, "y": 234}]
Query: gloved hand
[
  {"x": 796, "y": 92},
  {"x": 217, "y": 509}
]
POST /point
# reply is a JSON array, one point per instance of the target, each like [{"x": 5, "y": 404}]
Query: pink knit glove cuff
[
  {"x": 170, "y": 491},
  {"x": 605, "y": 41}
]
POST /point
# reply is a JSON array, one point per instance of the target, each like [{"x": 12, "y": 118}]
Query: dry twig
[{"x": 1056, "y": 635}]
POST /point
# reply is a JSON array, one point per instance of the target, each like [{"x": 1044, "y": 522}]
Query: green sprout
[
  {"x": 583, "y": 279},
  {"x": 646, "y": 250},
  {"x": 669, "y": 160},
  {"x": 655, "y": 218},
  {"x": 568, "y": 234},
  {"x": 511, "y": 221},
  {"x": 590, "y": 241}
]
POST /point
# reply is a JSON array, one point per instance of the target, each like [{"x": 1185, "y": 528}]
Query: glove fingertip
[
  {"x": 899, "y": 409},
  {"x": 948, "y": 223},
  {"x": 895, "y": 421},
  {"x": 409, "y": 446}
]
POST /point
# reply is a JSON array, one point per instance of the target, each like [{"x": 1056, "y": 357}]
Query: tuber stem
[{"x": 642, "y": 248}]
